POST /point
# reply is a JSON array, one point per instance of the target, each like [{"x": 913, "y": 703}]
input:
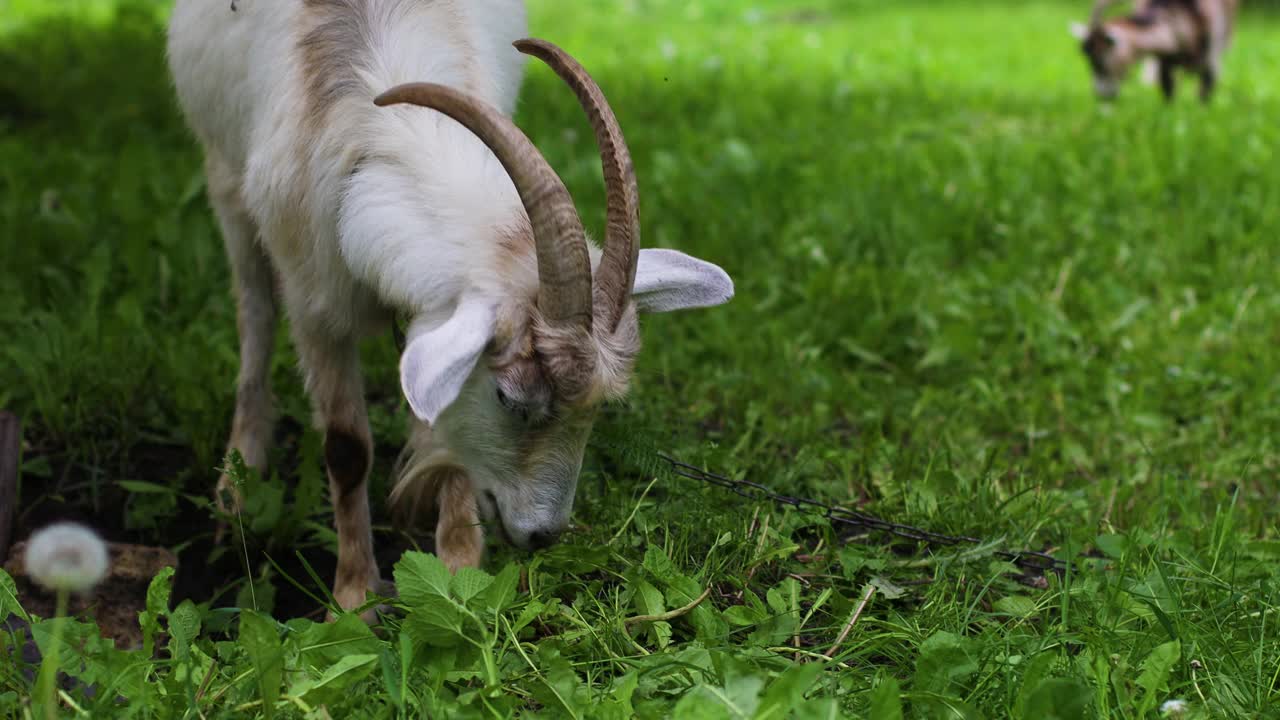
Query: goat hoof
[{"x": 387, "y": 589}]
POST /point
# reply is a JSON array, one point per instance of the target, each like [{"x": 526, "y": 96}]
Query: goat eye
[
  {"x": 517, "y": 408},
  {"x": 505, "y": 400}
]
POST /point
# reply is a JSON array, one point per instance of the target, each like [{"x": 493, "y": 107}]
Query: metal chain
[{"x": 1033, "y": 561}]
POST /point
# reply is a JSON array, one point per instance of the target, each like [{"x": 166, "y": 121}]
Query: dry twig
[
  {"x": 857, "y": 613},
  {"x": 670, "y": 614}
]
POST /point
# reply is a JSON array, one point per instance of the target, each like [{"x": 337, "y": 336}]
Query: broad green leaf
[
  {"x": 389, "y": 662},
  {"x": 158, "y": 592},
  {"x": 421, "y": 579},
  {"x": 66, "y": 643},
  {"x": 1059, "y": 699},
  {"x": 887, "y": 588},
  {"x": 620, "y": 695},
  {"x": 157, "y": 606},
  {"x": 563, "y": 691},
  {"x": 777, "y": 601},
  {"x": 1113, "y": 546},
  {"x": 886, "y": 699},
  {"x": 943, "y": 663},
  {"x": 470, "y": 582},
  {"x": 1037, "y": 669},
  {"x": 528, "y": 614},
  {"x": 1019, "y": 606},
  {"x": 339, "y": 677},
  {"x": 657, "y": 562},
  {"x": 702, "y": 703},
  {"x": 743, "y": 615},
  {"x": 774, "y": 631},
  {"x": 1155, "y": 673},
  {"x": 260, "y": 639},
  {"x": 502, "y": 592},
  {"x": 647, "y": 599},
  {"x": 660, "y": 633},
  {"x": 1121, "y": 679},
  {"x": 139, "y": 486},
  {"x": 184, "y": 626},
  {"x": 949, "y": 707},
  {"x": 1096, "y": 667},
  {"x": 706, "y": 620},
  {"x": 825, "y": 708},
  {"x": 742, "y": 684},
  {"x": 755, "y": 605},
  {"x": 437, "y": 623},
  {"x": 9, "y": 604},
  {"x": 787, "y": 691},
  {"x": 323, "y": 644},
  {"x": 1263, "y": 549}
]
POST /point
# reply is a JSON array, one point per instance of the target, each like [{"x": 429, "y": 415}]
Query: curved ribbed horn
[
  {"x": 564, "y": 268},
  {"x": 616, "y": 276},
  {"x": 1099, "y": 9}
]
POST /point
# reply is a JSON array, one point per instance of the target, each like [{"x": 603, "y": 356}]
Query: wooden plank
[{"x": 10, "y": 455}]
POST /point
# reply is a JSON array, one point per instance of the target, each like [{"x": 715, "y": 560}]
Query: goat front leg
[
  {"x": 333, "y": 381},
  {"x": 254, "y": 281},
  {"x": 1167, "y": 85},
  {"x": 1208, "y": 81},
  {"x": 459, "y": 533}
]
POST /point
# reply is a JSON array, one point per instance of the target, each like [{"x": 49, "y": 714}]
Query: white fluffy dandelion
[
  {"x": 66, "y": 557},
  {"x": 1174, "y": 708}
]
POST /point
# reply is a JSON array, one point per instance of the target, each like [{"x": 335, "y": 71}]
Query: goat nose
[{"x": 540, "y": 539}]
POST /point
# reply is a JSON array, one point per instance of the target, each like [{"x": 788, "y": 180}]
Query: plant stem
[{"x": 46, "y": 684}]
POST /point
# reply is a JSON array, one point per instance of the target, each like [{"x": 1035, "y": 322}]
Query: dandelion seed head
[
  {"x": 66, "y": 557},
  {"x": 1174, "y": 708}
]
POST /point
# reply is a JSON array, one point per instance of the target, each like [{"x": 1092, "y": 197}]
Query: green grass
[{"x": 967, "y": 298}]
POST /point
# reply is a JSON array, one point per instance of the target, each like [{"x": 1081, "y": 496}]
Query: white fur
[
  {"x": 668, "y": 280},
  {"x": 436, "y": 363},
  {"x": 360, "y": 212},
  {"x": 413, "y": 228}
]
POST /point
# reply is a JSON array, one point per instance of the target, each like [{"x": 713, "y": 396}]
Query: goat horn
[
  {"x": 564, "y": 267},
  {"x": 616, "y": 276}
]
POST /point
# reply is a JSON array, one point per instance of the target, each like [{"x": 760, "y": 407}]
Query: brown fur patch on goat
[
  {"x": 331, "y": 48},
  {"x": 346, "y": 456}
]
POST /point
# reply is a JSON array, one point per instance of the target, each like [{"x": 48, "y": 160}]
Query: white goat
[{"x": 352, "y": 211}]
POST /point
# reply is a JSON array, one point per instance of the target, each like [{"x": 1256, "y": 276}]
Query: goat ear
[
  {"x": 437, "y": 362},
  {"x": 668, "y": 280},
  {"x": 1079, "y": 30}
]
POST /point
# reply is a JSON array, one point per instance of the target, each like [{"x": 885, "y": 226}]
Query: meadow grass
[{"x": 968, "y": 298}]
